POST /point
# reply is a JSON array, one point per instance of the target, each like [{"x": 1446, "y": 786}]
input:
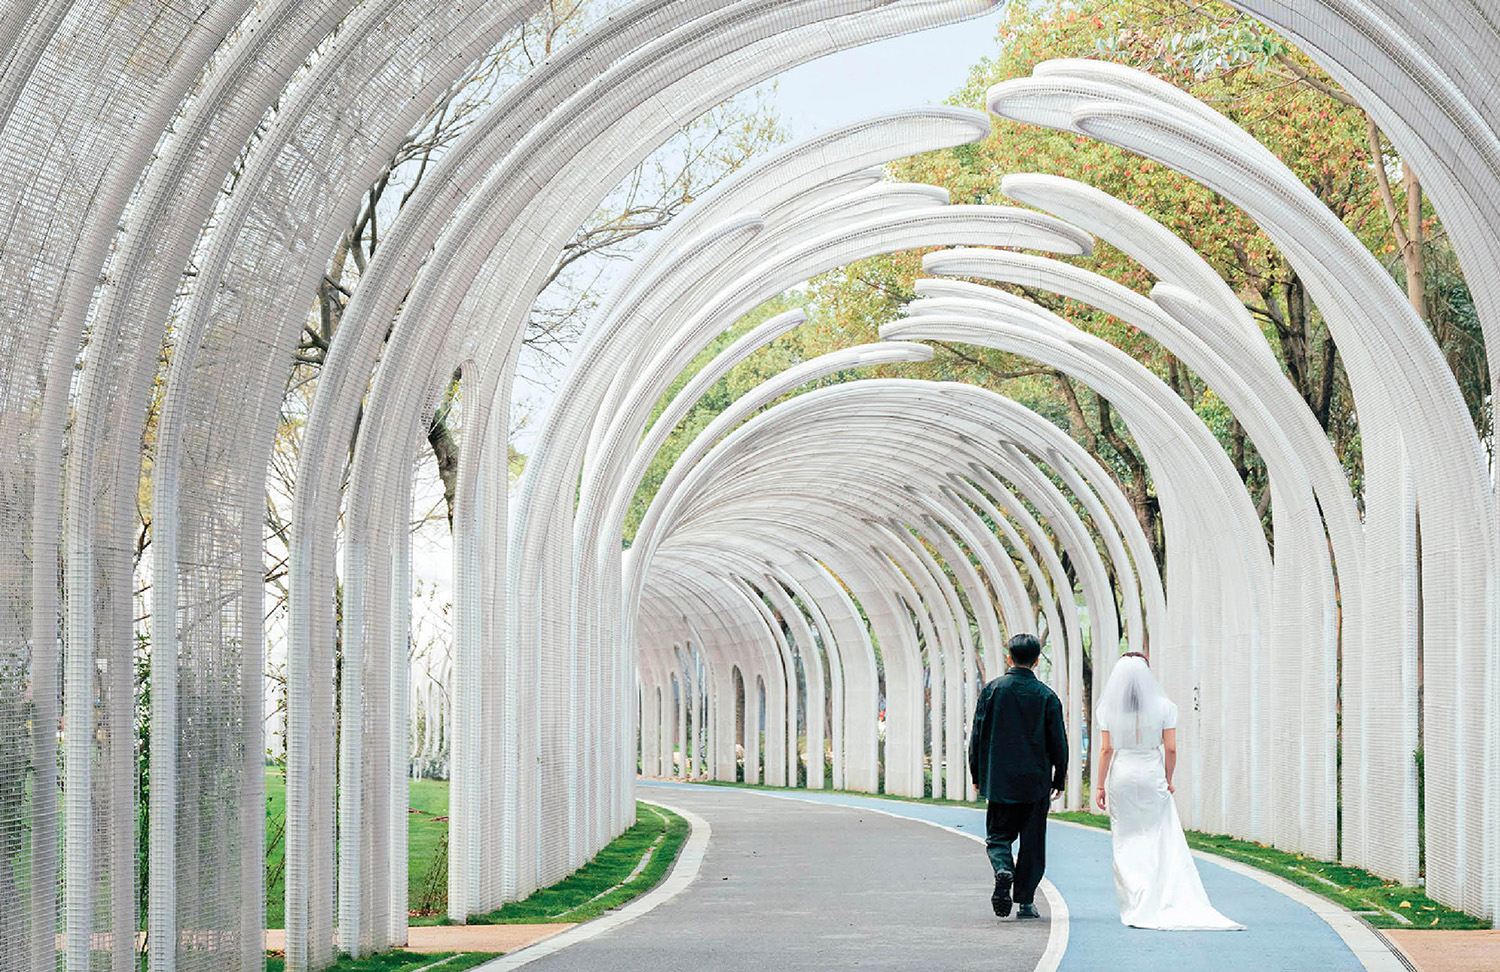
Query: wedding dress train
[{"x": 1155, "y": 877}]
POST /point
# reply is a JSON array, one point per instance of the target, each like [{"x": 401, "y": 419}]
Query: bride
[{"x": 1155, "y": 878}]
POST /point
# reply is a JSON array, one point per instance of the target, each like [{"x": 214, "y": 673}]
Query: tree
[{"x": 1273, "y": 91}]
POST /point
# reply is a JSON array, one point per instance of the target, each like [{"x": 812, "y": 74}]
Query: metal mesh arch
[{"x": 178, "y": 174}]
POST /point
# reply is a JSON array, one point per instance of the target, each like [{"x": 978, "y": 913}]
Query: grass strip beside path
[
  {"x": 631, "y": 864},
  {"x": 1383, "y": 904},
  {"x": 399, "y": 961}
]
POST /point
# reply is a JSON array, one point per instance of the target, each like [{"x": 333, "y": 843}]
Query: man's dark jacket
[{"x": 1019, "y": 748}]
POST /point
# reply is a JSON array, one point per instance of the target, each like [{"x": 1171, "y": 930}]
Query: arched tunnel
[{"x": 827, "y": 568}]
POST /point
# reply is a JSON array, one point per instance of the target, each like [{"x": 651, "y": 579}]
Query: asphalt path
[
  {"x": 802, "y": 885},
  {"x": 795, "y": 880},
  {"x": 1282, "y": 935}
]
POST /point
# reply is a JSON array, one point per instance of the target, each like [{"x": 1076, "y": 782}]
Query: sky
[{"x": 913, "y": 69}]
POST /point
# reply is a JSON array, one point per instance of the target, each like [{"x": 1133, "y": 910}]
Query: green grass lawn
[
  {"x": 427, "y": 841},
  {"x": 606, "y": 882},
  {"x": 427, "y": 835},
  {"x": 1382, "y": 903}
]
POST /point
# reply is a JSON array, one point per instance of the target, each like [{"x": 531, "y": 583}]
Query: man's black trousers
[{"x": 1004, "y": 822}]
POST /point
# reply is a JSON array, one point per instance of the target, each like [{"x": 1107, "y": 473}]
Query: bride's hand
[
  {"x": 1100, "y": 798},
  {"x": 1171, "y": 788}
]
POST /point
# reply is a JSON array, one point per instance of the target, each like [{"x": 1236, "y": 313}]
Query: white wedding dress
[{"x": 1155, "y": 877}]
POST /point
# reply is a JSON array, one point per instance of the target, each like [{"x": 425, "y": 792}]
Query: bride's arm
[
  {"x": 1169, "y": 742},
  {"x": 1106, "y": 753}
]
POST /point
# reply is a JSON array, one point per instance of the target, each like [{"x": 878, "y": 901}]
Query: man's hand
[
  {"x": 1056, "y": 792},
  {"x": 1100, "y": 798}
]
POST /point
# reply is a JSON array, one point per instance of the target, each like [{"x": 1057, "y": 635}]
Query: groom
[{"x": 1018, "y": 757}]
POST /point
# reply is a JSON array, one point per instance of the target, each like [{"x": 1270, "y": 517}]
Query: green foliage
[
  {"x": 1261, "y": 83},
  {"x": 433, "y": 899},
  {"x": 16, "y": 711},
  {"x": 275, "y": 848},
  {"x": 427, "y": 836},
  {"x": 1419, "y": 757},
  {"x": 1455, "y": 327},
  {"x": 1219, "y": 56}
]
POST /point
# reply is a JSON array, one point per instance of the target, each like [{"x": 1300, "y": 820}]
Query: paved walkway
[
  {"x": 1282, "y": 934},
  {"x": 795, "y": 881},
  {"x": 796, "y": 885},
  {"x": 812, "y": 881}
]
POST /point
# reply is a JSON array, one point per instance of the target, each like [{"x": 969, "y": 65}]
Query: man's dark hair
[{"x": 1024, "y": 649}]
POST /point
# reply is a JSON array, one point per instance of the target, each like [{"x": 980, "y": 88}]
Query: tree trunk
[
  {"x": 1411, "y": 253},
  {"x": 445, "y": 450}
]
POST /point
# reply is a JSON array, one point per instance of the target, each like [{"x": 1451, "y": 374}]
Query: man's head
[{"x": 1024, "y": 650}]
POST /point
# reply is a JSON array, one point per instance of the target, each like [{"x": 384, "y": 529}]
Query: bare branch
[{"x": 1327, "y": 90}]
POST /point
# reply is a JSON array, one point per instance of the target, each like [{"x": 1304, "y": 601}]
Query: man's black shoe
[
  {"x": 1026, "y": 911},
  {"x": 1000, "y": 900}
]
